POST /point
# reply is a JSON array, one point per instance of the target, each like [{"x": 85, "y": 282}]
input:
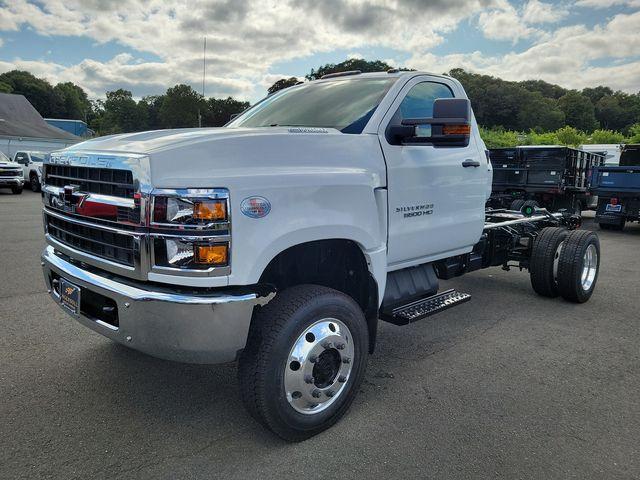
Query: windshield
[
  {"x": 37, "y": 157},
  {"x": 630, "y": 156},
  {"x": 346, "y": 105}
]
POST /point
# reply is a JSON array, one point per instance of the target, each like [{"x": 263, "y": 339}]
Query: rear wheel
[
  {"x": 545, "y": 255},
  {"x": 304, "y": 361},
  {"x": 578, "y": 266}
]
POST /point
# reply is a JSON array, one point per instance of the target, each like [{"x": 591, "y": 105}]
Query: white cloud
[
  {"x": 607, "y": 3},
  {"x": 562, "y": 57},
  {"x": 536, "y": 11},
  {"x": 244, "y": 37},
  {"x": 504, "y": 24}
]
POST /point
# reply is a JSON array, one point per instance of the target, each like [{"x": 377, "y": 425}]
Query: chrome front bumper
[
  {"x": 192, "y": 328},
  {"x": 11, "y": 181}
]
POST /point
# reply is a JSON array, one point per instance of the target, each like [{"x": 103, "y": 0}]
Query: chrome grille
[
  {"x": 103, "y": 181},
  {"x": 113, "y": 246},
  {"x": 10, "y": 173}
]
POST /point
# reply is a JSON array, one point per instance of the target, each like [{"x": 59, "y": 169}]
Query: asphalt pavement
[{"x": 509, "y": 385}]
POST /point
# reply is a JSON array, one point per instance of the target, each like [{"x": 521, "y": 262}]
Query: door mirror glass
[{"x": 450, "y": 125}]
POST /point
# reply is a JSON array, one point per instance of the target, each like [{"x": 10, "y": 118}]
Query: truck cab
[{"x": 281, "y": 239}]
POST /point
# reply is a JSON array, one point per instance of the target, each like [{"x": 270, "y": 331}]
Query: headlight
[
  {"x": 190, "y": 253},
  {"x": 189, "y": 211},
  {"x": 191, "y": 230}
]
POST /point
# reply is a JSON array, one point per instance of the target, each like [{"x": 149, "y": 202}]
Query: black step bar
[{"x": 424, "y": 307}]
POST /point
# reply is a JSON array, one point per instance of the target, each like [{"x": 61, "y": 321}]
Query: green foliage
[
  {"x": 347, "y": 65},
  {"x": 283, "y": 83},
  {"x": 634, "y": 133},
  {"x": 605, "y": 136},
  {"x": 570, "y": 136},
  {"x": 39, "y": 92},
  {"x": 578, "y": 110},
  {"x": 5, "y": 88},
  {"x": 499, "y": 138},
  {"x": 121, "y": 114},
  {"x": 219, "y": 110},
  {"x": 542, "y": 138},
  {"x": 73, "y": 101},
  {"x": 180, "y": 107}
]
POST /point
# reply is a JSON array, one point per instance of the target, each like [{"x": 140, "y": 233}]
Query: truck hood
[
  {"x": 9, "y": 164},
  {"x": 161, "y": 140},
  {"x": 221, "y": 157}
]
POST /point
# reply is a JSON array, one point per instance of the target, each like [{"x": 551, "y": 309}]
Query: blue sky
[{"x": 149, "y": 45}]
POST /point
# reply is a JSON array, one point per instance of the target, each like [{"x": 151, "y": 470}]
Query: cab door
[
  {"x": 23, "y": 159},
  {"x": 436, "y": 195}
]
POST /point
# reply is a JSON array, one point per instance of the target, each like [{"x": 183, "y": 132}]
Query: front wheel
[
  {"x": 304, "y": 361},
  {"x": 34, "y": 183},
  {"x": 16, "y": 190}
]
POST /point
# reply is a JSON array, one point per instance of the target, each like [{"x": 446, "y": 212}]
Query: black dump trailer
[
  {"x": 618, "y": 190},
  {"x": 552, "y": 177}
]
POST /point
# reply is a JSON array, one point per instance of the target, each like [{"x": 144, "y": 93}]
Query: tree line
[{"x": 507, "y": 110}]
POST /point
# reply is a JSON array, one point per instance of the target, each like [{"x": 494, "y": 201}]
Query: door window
[{"x": 419, "y": 101}]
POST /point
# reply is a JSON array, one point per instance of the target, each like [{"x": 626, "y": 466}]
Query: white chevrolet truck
[{"x": 280, "y": 240}]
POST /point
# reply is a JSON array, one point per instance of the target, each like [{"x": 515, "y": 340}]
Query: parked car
[
  {"x": 31, "y": 167},
  {"x": 280, "y": 239},
  {"x": 11, "y": 175}
]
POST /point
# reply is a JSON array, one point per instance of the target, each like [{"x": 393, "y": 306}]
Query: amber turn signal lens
[
  {"x": 210, "y": 210},
  {"x": 457, "y": 130},
  {"x": 212, "y": 254}
]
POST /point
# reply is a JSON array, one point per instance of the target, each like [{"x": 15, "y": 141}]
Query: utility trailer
[
  {"x": 618, "y": 190},
  {"x": 553, "y": 177}
]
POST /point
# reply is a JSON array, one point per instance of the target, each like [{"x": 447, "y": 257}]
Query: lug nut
[
  {"x": 329, "y": 393},
  {"x": 308, "y": 379},
  {"x": 327, "y": 345},
  {"x": 313, "y": 359},
  {"x": 340, "y": 346},
  {"x": 316, "y": 393},
  {"x": 342, "y": 379},
  {"x": 346, "y": 360}
]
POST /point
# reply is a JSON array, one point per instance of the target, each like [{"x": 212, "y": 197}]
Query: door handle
[{"x": 470, "y": 163}]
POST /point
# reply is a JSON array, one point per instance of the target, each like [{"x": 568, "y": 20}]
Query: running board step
[{"x": 424, "y": 307}]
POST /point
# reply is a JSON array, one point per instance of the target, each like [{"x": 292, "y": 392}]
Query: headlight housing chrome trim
[{"x": 210, "y": 233}]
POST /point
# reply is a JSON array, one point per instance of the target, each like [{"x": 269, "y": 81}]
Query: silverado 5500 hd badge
[{"x": 409, "y": 211}]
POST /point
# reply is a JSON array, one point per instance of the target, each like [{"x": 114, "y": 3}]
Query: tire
[
  {"x": 545, "y": 255},
  {"x": 280, "y": 392},
  {"x": 516, "y": 204},
  {"x": 578, "y": 266},
  {"x": 34, "y": 182},
  {"x": 16, "y": 190}
]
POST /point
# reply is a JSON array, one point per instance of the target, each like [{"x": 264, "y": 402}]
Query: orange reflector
[
  {"x": 210, "y": 210},
  {"x": 211, "y": 254},
  {"x": 456, "y": 130}
]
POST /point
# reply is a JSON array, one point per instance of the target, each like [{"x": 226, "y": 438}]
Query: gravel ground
[{"x": 509, "y": 385}]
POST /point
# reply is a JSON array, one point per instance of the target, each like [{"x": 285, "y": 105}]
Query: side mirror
[{"x": 450, "y": 125}]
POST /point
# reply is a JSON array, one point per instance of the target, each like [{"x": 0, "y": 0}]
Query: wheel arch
[{"x": 337, "y": 263}]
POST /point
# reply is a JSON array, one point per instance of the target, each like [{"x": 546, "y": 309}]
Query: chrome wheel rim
[
  {"x": 319, "y": 366},
  {"x": 589, "y": 267}
]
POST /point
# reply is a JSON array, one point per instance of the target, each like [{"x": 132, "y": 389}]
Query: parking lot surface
[{"x": 509, "y": 385}]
